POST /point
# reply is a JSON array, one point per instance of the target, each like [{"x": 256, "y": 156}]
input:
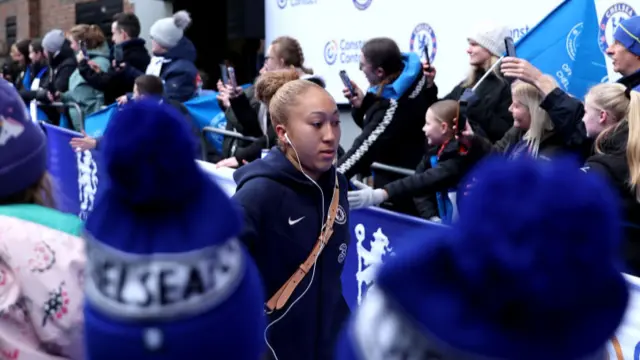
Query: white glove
[{"x": 366, "y": 196}]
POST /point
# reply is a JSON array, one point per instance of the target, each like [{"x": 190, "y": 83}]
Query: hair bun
[{"x": 269, "y": 83}]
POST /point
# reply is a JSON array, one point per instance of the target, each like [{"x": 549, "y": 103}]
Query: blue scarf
[{"x": 412, "y": 69}]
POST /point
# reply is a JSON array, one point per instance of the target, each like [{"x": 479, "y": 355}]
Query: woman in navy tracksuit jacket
[{"x": 286, "y": 198}]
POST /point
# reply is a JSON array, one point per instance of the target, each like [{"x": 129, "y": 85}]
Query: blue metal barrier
[{"x": 375, "y": 233}]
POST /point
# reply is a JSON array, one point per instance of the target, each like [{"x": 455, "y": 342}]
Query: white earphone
[{"x": 313, "y": 272}]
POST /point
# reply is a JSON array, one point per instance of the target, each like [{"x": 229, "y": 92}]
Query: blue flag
[
  {"x": 565, "y": 44},
  {"x": 204, "y": 110}
]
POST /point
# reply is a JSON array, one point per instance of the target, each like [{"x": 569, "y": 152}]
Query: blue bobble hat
[
  {"x": 531, "y": 271},
  {"x": 23, "y": 145},
  {"x": 628, "y": 34},
  {"x": 166, "y": 276}
]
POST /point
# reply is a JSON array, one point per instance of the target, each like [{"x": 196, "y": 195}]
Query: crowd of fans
[{"x": 534, "y": 237}]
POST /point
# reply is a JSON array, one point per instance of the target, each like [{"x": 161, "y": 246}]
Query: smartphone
[
  {"x": 232, "y": 77},
  {"x": 461, "y": 116},
  {"x": 83, "y": 48},
  {"x": 427, "y": 58},
  {"x": 224, "y": 73},
  {"x": 347, "y": 82},
  {"x": 118, "y": 54},
  {"x": 510, "y": 46}
]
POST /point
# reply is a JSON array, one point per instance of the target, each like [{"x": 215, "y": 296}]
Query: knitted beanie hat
[
  {"x": 166, "y": 278},
  {"x": 491, "y": 37},
  {"x": 52, "y": 42},
  {"x": 531, "y": 271},
  {"x": 628, "y": 34},
  {"x": 167, "y": 32},
  {"x": 23, "y": 145}
]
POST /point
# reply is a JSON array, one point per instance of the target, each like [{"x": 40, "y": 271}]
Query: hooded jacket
[
  {"x": 283, "y": 216},
  {"x": 41, "y": 284},
  {"x": 179, "y": 72},
  {"x": 81, "y": 92}
]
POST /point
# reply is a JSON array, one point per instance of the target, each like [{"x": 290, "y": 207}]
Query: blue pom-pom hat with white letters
[
  {"x": 166, "y": 277},
  {"x": 531, "y": 271}
]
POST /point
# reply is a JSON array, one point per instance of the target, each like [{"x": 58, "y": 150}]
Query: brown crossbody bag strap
[{"x": 281, "y": 297}]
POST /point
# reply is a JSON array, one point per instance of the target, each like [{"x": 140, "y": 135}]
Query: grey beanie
[
  {"x": 53, "y": 40},
  {"x": 167, "y": 32}
]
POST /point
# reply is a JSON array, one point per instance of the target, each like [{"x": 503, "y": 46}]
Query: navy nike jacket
[{"x": 284, "y": 214}]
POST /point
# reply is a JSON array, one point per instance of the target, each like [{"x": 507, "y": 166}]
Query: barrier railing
[
  {"x": 376, "y": 233},
  {"x": 65, "y": 105},
  {"x": 228, "y": 133},
  {"x": 393, "y": 169}
]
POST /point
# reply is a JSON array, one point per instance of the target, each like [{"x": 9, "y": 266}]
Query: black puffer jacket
[
  {"x": 115, "y": 83},
  {"x": 488, "y": 111},
  {"x": 612, "y": 163}
]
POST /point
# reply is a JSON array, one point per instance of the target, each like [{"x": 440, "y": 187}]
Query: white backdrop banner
[{"x": 332, "y": 31}]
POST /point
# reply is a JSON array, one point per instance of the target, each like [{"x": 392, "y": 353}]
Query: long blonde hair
[
  {"x": 541, "y": 122},
  {"x": 623, "y": 105},
  {"x": 472, "y": 76}
]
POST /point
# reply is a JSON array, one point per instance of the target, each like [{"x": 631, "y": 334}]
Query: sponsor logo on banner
[
  {"x": 293, "y": 3},
  {"x": 610, "y": 21},
  {"x": 343, "y": 51},
  {"x": 572, "y": 40},
  {"x": 422, "y": 35},
  {"x": 362, "y": 4},
  {"x": 371, "y": 255},
  {"x": 518, "y": 33},
  {"x": 87, "y": 182}
]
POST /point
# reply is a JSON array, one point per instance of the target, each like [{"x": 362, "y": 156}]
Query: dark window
[
  {"x": 11, "y": 30},
  {"x": 99, "y": 13}
]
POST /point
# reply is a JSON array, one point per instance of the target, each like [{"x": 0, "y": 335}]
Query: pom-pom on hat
[
  {"x": 167, "y": 32},
  {"x": 23, "y": 145},
  {"x": 166, "y": 276},
  {"x": 531, "y": 271}
]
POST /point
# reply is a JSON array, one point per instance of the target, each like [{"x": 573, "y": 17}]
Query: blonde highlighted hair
[
  {"x": 474, "y": 76},
  {"x": 290, "y": 51},
  {"x": 529, "y": 96},
  {"x": 622, "y": 105},
  {"x": 92, "y": 36}
]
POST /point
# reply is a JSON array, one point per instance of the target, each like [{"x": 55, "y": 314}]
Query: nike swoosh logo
[{"x": 293, "y": 222}]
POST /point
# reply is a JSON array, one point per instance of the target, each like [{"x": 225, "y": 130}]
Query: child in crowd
[
  {"x": 439, "y": 173},
  {"x": 42, "y": 257}
]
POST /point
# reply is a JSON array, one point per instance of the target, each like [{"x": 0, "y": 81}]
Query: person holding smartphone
[
  {"x": 391, "y": 114},
  {"x": 128, "y": 50},
  {"x": 487, "y": 106},
  {"x": 246, "y": 115}
]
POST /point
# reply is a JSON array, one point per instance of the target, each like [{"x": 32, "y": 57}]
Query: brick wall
[{"x": 36, "y": 17}]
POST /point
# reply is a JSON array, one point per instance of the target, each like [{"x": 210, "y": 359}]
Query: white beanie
[
  {"x": 167, "y": 32},
  {"x": 491, "y": 37}
]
